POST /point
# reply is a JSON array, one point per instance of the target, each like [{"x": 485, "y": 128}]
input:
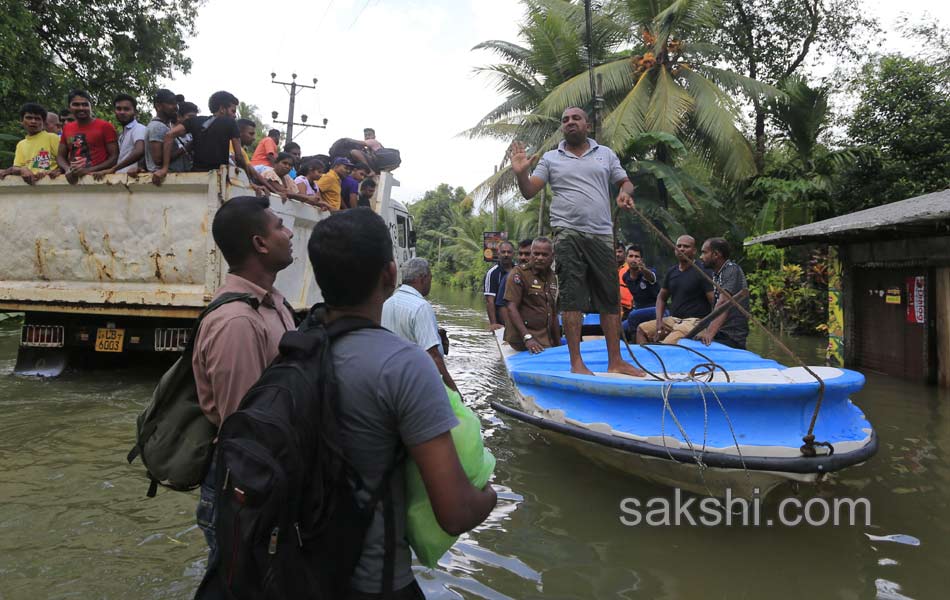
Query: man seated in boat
[
  {"x": 524, "y": 259},
  {"x": 692, "y": 298},
  {"x": 531, "y": 293},
  {"x": 731, "y": 327},
  {"x": 643, "y": 286}
]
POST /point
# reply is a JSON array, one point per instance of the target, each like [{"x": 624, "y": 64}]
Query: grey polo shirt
[{"x": 581, "y": 186}]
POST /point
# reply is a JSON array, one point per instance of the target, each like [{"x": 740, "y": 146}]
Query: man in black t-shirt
[
  {"x": 692, "y": 298},
  {"x": 213, "y": 137}
]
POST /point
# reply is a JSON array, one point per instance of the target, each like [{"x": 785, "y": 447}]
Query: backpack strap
[
  {"x": 215, "y": 304},
  {"x": 293, "y": 312},
  {"x": 384, "y": 494}
]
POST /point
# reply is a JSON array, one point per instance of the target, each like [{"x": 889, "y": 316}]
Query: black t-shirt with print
[{"x": 212, "y": 141}]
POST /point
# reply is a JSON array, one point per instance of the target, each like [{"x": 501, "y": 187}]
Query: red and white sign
[{"x": 917, "y": 300}]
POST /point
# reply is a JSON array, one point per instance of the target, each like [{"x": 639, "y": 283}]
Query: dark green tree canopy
[{"x": 105, "y": 46}]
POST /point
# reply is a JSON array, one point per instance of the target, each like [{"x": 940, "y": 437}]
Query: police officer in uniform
[{"x": 531, "y": 293}]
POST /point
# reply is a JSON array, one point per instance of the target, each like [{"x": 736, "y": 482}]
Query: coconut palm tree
[
  {"x": 670, "y": 84},
  {"x": 553, "y": 49}
]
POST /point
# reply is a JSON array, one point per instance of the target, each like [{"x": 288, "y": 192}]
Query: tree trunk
[
  {"x": 759, "y": 138},
  {"x": 663, "y": 156}
]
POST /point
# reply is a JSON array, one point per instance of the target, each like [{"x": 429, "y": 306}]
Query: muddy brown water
[{"x": 75, "y": 522}]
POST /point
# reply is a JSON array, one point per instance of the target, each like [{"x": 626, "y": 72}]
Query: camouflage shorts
[{"x": 586, "y": 272}]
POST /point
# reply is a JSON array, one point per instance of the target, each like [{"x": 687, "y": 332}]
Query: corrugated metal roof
[{"x": 917, "y": 215}]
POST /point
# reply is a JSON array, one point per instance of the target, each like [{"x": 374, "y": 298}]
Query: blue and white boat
[{"x": 741, "y": 430}]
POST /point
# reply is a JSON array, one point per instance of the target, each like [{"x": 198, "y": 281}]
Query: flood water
[{"x": 75, "y": 522}]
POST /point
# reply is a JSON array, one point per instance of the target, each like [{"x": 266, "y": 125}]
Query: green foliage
[
  {"x": 902, "y": 111},
  {"x": 789, "y": 297},
  {"x": 450, "y": 234},
  {"x": 772, "y": 40},
  {"x": 105, "y": 46}
]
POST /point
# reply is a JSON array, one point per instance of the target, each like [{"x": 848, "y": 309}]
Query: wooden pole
[{"x": 544, "y": 193}]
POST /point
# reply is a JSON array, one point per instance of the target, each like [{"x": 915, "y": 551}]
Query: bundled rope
[{"x": 808, "y": 449}]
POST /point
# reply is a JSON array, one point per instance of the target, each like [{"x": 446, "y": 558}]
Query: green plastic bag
[{"x": 427, "y": 538}]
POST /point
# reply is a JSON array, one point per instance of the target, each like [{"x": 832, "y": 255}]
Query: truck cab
[{"x": 120, "y": 268}]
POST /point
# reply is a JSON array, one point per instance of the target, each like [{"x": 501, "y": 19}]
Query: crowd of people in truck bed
[{"x": 74, "y": 143}]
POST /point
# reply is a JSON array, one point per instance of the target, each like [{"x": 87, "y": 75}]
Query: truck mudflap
[{"x": 40, "y": 362}]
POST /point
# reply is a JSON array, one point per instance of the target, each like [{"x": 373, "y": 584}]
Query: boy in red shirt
[{"x": 88, "y": 145}]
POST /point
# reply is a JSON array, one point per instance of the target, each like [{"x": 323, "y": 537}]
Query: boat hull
[{"x": 741, "y": 432}]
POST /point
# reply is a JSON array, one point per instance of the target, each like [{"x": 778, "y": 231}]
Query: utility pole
[
  {"x": 590, "y": 67},
  {"x": 494, "y": 207},
  {"x": 292, "y": 90}
]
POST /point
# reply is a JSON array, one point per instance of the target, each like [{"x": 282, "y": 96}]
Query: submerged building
[{"x": 889, "y": 289}]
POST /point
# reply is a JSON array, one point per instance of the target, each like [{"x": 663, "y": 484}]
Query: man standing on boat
[
  {"x": 731, "y": 327},
  {"x": 531, "y": 292},
  {"x": 580, "y": 172}
]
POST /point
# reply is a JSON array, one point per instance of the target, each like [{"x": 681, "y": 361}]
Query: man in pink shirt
[{"x": 236, "y": 342}]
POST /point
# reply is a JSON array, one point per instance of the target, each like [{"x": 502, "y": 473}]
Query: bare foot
[
  {"x": 625, "y": 368},
  {"x": 580, "y": 368}
]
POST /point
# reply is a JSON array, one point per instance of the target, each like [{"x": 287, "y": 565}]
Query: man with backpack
[
  {"x": 390, "y": 397},
  {"x": 311, "y": 479},
  {"x": 237, "y": 341}
]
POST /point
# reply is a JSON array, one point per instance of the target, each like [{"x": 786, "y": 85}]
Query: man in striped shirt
[
  {"x": 506, "y": 252},
  {"x": 409, "y": 315}
]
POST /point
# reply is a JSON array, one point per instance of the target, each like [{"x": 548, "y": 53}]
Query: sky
[{"x": 403, "y": 67}]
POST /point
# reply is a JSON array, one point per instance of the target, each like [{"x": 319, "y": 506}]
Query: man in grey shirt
[
  {"x": 580, "y": 172},
  {"x": 166, "y": 113},
  {"x": 731, "y": 327},
  {"x": 391, "y": 396}
]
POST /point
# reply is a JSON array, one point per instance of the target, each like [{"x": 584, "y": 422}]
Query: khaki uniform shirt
[{"x": 536, "y": 298}]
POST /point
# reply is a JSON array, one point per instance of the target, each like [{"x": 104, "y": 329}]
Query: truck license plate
[{"x": 109, "y": 340}]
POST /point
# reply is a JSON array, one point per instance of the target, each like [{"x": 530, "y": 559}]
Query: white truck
[{"x": 121, "y": 267}]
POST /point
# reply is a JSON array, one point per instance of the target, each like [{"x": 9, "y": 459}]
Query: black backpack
[
  {"x": 386, "y": 159},
  {"x": 173, "y": 436},
  {"x": 288, "y": 523}
]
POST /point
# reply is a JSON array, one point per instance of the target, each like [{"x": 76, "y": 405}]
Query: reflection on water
[{"x": 75, "y": 522}]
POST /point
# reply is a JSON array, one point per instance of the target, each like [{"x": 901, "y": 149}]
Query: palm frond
[
  {"x": 616, "y": 74},
  {"x": 668, "y": 106},
  {"x": 714, "y": 117},
  {"x": 628, "y": 117},
  {"x": 736, "y": 82}
]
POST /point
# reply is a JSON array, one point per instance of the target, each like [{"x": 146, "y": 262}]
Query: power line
[{"x": 323, "y": 18}]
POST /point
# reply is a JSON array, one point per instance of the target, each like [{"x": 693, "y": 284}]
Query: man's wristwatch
[{"x": 528, "y": 336}]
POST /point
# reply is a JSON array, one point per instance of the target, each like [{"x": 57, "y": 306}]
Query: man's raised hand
[{"x": 519, "y": 158}]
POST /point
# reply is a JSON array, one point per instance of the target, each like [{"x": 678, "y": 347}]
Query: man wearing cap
[
  {"x": 580, "y": 172},
  {"x": 329, "y": 182},
  {"x": 166, "y": 114}
]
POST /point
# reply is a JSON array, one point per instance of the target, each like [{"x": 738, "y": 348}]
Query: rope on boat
[
  {"x": 703, "y": 386},
  {"x": 808, "y": 448}
]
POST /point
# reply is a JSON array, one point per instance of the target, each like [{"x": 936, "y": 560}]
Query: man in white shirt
[
  {"x": 131, "y": 136},
  {"x": 409, "y": 315}
]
